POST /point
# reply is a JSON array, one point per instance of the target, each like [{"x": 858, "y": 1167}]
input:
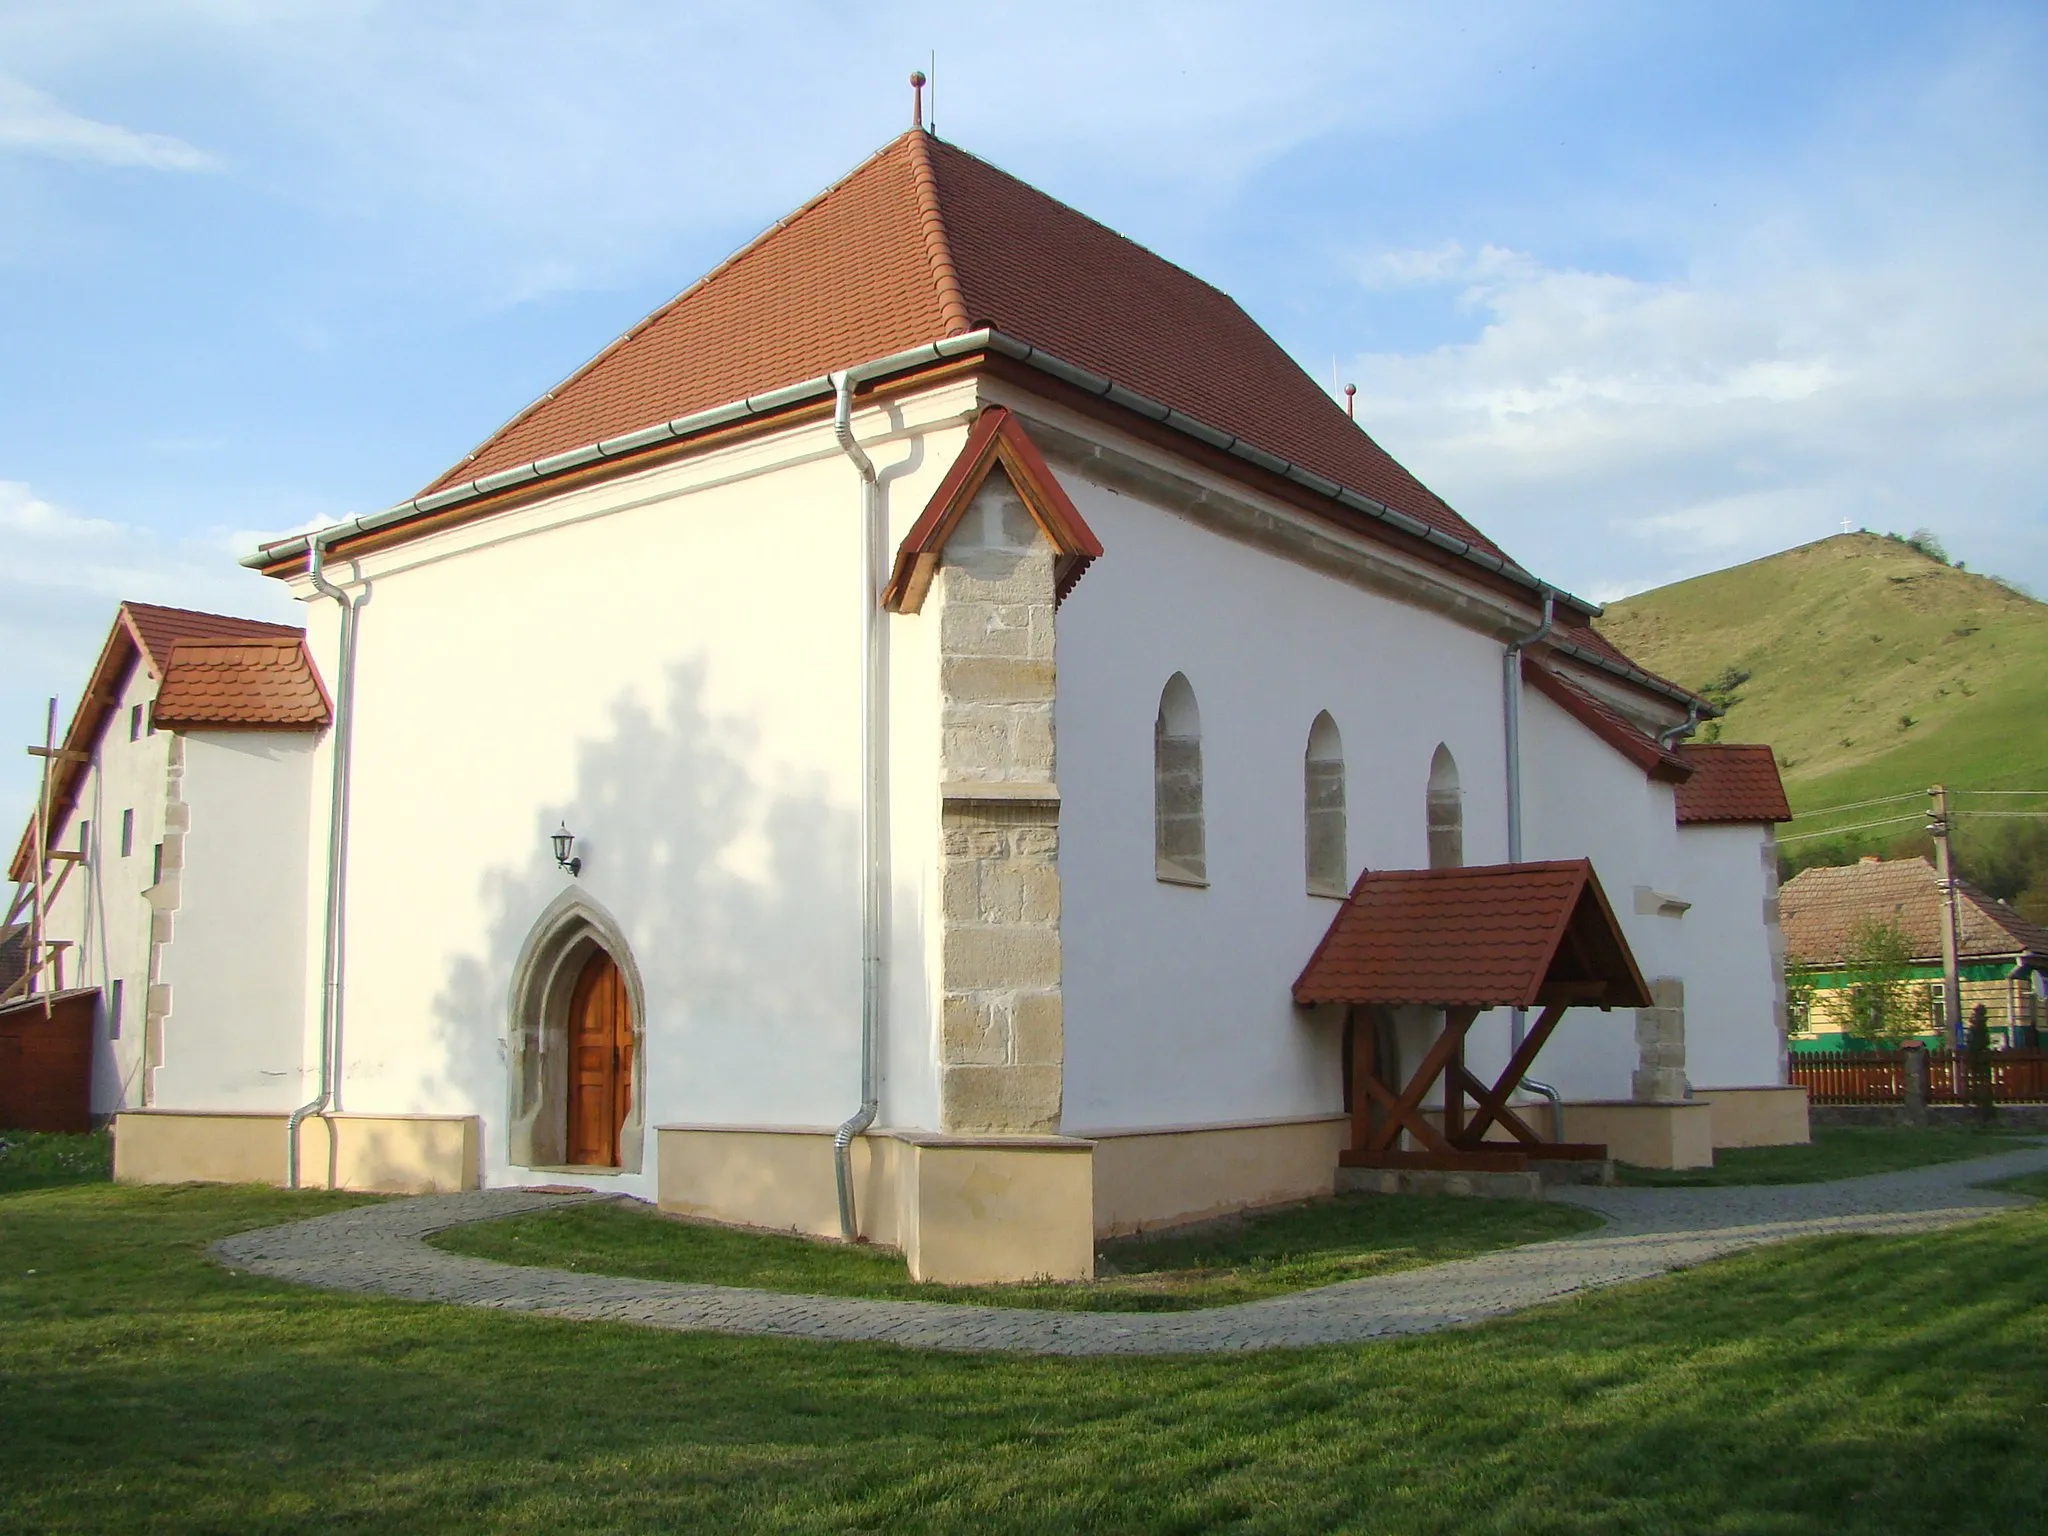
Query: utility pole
[{"x": 1944, "y": 869}]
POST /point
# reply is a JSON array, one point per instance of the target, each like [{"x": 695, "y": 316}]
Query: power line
[
  {"x": 2036, "y": 793},
  {"x": 2004, "y": 815},
  {"x": 1861, "y": 826},
  {"x": 1859, "y": 805}
]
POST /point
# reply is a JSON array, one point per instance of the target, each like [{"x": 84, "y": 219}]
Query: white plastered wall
[
  {"x": 1177, "y": 999},
  {"x": 669, "y": 662},
  {"x": 103, "y": 908},
  {"x": 1731, "y": 994},
  {"x": 1583, "y": 799},
  {"x": 237, "y": 958}
]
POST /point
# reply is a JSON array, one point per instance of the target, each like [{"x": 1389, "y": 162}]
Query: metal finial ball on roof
[
  {"x": 917, "y": 98},
  {"x": 1351, "y": 401}
]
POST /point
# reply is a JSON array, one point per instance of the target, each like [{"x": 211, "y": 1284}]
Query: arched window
[
  {"x": 1322, "y": 809},
  {"x": 1446, "y": 812},
  {"x": 1177, "y": 786}
]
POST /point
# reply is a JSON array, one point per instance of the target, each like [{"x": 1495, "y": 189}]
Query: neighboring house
[
  {"x": 926, "y": 691},
  {"x": 2002, "y": 957},
  {"x": 178, "y": 825}
]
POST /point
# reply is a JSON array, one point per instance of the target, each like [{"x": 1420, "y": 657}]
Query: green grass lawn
[
  {"x": 1319, "y": 1243},
  {"x": 1835, "y": 1153},
  {"x": 1852, "y": 1384}
]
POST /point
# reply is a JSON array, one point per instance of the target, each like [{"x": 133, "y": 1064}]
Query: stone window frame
[
  {"x": 1325, "y": 831},
  {"x": 536, "y": 1039},
  {"x": 1179, "y": 827},
  {"x": 1444, "y": 813}
]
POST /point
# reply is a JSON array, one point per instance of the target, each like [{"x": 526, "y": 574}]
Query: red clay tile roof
[
  {"x": 923, "y": 241},
  {"x": 157, "y": 629},
  {"x": 997, "y": 438},
  {"x": 1571, "y": 634},
  {"x": 144, "y": 633},
  {"x": 1731, "y": 782},
  {"x": 1820, "y": 908},
  {"x": 1608, "y": 723},
  {"x": 1486, "y": 937},
  {"x": 254, "y": 684}
]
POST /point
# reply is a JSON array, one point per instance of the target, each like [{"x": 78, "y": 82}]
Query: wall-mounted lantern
[{"x": 564, "y": 840}]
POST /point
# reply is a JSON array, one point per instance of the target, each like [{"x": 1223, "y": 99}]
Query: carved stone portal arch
[{"x": 555, "y": 952}]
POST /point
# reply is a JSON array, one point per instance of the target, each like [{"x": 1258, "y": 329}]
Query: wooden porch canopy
[{"x": 1536, "y": 936}]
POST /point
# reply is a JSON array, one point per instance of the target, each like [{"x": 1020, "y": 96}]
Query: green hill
[{"x": 1872, "y": 669}]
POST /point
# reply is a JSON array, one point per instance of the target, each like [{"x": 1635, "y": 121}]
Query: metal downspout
[
  {"x": 1665, "y": 739},
  {"x": 337, "y": 854},
  {"x": 870, "y": 806},
  {"x": 1511, "y": 716}
]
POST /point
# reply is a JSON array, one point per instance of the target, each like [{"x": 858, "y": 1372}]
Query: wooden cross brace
[{"x": 1445, "y": 1059}]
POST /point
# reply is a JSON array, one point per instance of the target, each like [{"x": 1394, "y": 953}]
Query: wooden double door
[{"x": 600, "y": 1063}]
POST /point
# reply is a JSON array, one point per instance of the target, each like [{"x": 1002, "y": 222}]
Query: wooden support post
[{"x": 1404, "y": 1111}]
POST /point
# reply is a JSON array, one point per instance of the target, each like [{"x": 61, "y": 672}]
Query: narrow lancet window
[
  {"x": 1446, "y": 812},
  {"x": 1322, "y": 798},
  {"x": 1177, "y": 786}
]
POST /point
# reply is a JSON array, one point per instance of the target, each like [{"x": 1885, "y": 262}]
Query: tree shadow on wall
[{"x": 737, "y": 890}]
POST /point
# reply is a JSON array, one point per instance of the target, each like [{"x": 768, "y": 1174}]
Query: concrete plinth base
[
  {"x": 963, "y": 1210},
  {"x": 1756, "y": 1117},
  {"x": 390, "y": 1154}
]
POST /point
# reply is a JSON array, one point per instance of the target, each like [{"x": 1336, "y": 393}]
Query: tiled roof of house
[
  {"x": 1608, "y": 723},
  {"x": 255, "y": 684},
  {"x": 1731, "y": 783},
  {"x": 1821, "y": 907},
  {"x": 157, "y": 629},
  {"x": 1485, "y": 937},
  {"x": 924, "y": 241},
  {"x": 143, "y": 633}
]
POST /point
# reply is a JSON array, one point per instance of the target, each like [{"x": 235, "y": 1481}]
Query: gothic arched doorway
[{"x": 576, "y": 1049}]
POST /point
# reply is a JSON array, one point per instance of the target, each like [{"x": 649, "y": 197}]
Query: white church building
[{"x": 872, "y": 752}]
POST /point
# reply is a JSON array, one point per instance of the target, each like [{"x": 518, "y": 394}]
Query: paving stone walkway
[{"x": 379, "y": 1248}]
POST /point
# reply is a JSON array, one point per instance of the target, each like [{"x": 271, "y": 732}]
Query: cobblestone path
[{"x": 378, "y": 1248}]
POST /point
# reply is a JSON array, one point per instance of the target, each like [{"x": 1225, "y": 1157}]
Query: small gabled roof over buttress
[{"x": 997, "y": 440}]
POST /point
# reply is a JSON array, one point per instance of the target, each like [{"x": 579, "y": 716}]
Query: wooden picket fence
[
  {"x": 1879, "y": 1077},
  {"x": 1851, "y": 1077},
  {"x": 2017, "y": 1077}
]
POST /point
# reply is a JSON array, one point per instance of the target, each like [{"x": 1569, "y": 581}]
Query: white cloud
[
  {"x": 1868, "y": 344},
  {"x": 33, "y": 121},
  {"x": 537, "y": 155},
  {"x": 62, "y": 579}
]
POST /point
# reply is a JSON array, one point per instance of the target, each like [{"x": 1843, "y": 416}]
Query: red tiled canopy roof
[
  {"x": 1731, "y": 783},
  {"x": 252, "y": 684},
  {"x": 1486, "y": 937},
  {"x": 924, "y": 241}
]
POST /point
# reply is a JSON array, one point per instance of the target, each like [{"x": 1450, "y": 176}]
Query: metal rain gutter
[
  {"x": 675, "y": 430},
  {"x": 990, "y": 340}
]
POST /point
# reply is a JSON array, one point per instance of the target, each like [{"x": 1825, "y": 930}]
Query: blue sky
[{"x": 1643, "y": 290}]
